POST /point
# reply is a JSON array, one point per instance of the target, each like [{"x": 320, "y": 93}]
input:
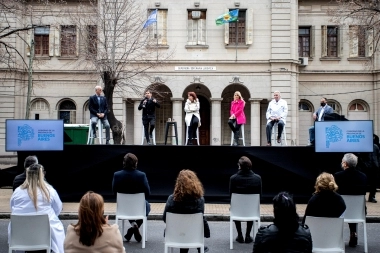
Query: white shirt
[{"x": 277, "y": 109}]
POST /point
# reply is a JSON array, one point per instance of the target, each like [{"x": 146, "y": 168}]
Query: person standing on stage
[
  {"x": 245, "y": 181},
  {"x": 148, "y": 104},
  {"x": 276, "y": 113},
  {"x": 98, "y": 111},
  {"x": 192, "y": 118},
  {"x": 319, "y": 115},
  {"x": 130, "y": 180},
  {"x": 237, "y": 116}
]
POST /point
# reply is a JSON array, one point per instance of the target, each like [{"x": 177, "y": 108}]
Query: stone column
[
  {"x": 216, "y": 128},
  {"x": 138, "y": 126},
  {"x": 177, "y": 116},
  {"x": 255, "y": 121}
]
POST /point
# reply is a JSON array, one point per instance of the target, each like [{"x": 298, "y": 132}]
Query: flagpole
[
  {"x": 157, "y": 32},
  {"x": 237, "y": 36}
]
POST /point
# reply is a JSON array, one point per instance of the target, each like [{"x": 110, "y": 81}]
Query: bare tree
[
  {"x": 362, "y": 20},
  {"x": 114, "y": 44}
]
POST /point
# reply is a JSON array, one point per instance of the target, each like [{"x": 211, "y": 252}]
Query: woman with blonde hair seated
[
  {"x": 325, "y": 202},
  {"x": 187, "y": 199},
  {"x": 35, "y": 197},
  {"x": 92, "y": 233}
]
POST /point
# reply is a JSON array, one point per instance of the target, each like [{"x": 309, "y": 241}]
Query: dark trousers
[
  {"x": 192, "y": 131},
  {"x": 147, "y": 209},
  {"x": 238, "y": 227},
  {"x": 235, "y": 127},
  {"x": 148, "y": 130},
  {"x": 372, "y": 175},
  {"x": 280, "y": 127}
]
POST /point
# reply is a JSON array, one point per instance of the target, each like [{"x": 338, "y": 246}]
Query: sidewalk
[{"x": 214, "y": 212}]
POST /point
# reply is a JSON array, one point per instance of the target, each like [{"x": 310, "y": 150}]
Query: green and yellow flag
[{"x": 228, "y": 17}]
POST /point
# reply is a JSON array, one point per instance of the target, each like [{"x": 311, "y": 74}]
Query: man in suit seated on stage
[
  {"x": 98, "y": 111},
  {"x": 351, "y": 181},
  {"x": 319, "y": 115},
  {"x": 245, "y": 181},
  {"x": 19, "y": 179},
  {"x": 130, "y": 180}
]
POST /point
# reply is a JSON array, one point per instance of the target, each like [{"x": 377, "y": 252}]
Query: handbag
[{"x": 232, "y": 121}]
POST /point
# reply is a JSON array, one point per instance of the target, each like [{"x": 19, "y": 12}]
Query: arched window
[
  {"x": 303, "y": 106},
  {"x": 39, "y": 105},
  {"x": 357, "y": 107},
  {"x": 67, "y": 112},
  {"x": 335, "y": 105},
  {"x": 39, "y": 109}
]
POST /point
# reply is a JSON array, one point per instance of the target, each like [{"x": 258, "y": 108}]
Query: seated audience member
[
  {"x": 325, "y": 202},
  {"x": 350, "y": 181},
  {"x": 285, "y": 234},
  {"x": 319, "y": 115},
  {"x": 130, "y": 180},
  {"x": 276, "y": 113},
  {"x": 245, "y": 181},
  {"x": 92, "y": 233},
  {"x": 19, "y": 179},
  {"x": 35, "y": 196},
  {"x": 187, "y": 198}
]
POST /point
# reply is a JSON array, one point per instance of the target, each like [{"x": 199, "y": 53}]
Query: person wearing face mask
[{"x": 319, "y": 115}]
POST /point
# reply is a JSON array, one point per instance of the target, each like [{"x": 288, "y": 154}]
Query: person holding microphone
[{"x": 148, "y": 104}]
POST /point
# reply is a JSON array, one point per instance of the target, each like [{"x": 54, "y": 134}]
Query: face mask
[{"x": 323, "y": 104}]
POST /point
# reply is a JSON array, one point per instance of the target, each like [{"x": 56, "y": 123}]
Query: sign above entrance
[{"x": 194, "y": 68}]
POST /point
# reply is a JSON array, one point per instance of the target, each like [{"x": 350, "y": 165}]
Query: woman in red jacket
[{"x": 237, "y": 116}]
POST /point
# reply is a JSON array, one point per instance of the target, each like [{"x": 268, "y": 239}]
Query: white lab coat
[
  {"x": 22, "y": 204},
  {"x": 277, "y": 109}
]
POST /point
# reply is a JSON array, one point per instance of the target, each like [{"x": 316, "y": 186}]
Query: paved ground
[{"x": 214, "y": 212}]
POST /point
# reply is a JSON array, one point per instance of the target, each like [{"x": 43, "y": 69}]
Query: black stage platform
[{"x": 80, "y": 168}]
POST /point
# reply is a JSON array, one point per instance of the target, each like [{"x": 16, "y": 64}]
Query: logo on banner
[
  {"x": 333, "y": 134},
  {"x": 25, "y": 133}
]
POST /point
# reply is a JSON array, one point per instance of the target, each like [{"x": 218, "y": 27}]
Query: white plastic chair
[
  {"x": 30, "y": 232},
  {"x": 184, "y": 231},
  {"x": 355, "y": 213},
  {"x": 242, "y": 135},
  {"x": 143, "y": 136},
  {"x": 327, "y": 233},
  {"x": 244, "y": 207},
  {"x": 132, "y": 207},
  {"x": 274, "y": 136},
  {"x": 187, "y": 135}
]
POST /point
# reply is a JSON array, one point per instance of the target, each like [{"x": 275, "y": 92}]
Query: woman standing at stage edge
[
  {"x": 192, "y": 118},
  {"x": 237, "y": 116}
]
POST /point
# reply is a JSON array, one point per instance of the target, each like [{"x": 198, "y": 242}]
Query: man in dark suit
[
  {"x": 19, "y": 179},
  {"x": 319, "y": 115},
  {"x": 130, "y": 180},
  {"x": 245, "y": 181},
  {"x": 350, "y": 181},
  {"x": 98, "y": 111}
]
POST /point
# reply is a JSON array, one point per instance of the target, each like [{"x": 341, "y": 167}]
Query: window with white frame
[
  {"x": 361, "y": 41},
  {"x": 240, "y": 33},
  {"x": 335, "y": 106},
  {"x": 158, "y": 32},
  {"x": 196, "y": 27}
]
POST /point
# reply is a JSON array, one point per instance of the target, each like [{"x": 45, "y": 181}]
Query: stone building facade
[{"x": 285, "y": 45}]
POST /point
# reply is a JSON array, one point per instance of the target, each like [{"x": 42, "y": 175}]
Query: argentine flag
[{"x": 151, "y": 19}]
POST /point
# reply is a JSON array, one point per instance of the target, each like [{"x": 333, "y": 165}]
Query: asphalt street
[{"x": 219, "y": 241}]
